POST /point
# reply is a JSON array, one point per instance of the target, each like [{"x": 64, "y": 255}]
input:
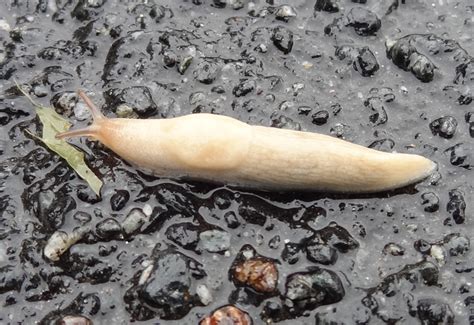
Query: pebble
[
  {"x": 134, "y": 221},
  {"x": 215, "y": 241},
  {"x": 456, "y": 206},
  {"x": 282, "y": 39},
  {"x": 257, "y": 273},
  {"x": 364, "y": 22},
  {"x": 204, "y": 294},
  {"x": 59, "y": 242},
  {"x": 285, "y": 12},
  {"x": 394, "y": 249},
  {"x": 227, "y": 315},
  {"x": 430, "y": 202},
  {"x": 444, "y": 127},
  {"x": 109, "y": 229},
  {"x": 172, "y": 284},
  {"x": 309, "y": 290},
  {"x": 74, "y": 320}
]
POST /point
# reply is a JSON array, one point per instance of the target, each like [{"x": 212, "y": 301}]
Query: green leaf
[{"x": 53, "y": 123}]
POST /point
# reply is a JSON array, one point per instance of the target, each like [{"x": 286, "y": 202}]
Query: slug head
[{"x": 91, "y": 130}]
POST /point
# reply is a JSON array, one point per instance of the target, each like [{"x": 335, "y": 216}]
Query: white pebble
[
  {"x": 4, "y": 25},
  {"x": 145, "y": 274},
  {"x": 57, "y": 244},
  {"x": 204, "y": 294},
  {"x": 147, "y": 210}
]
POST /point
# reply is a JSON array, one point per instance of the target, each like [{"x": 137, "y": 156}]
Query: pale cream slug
[{"x": 224, "y": 150}]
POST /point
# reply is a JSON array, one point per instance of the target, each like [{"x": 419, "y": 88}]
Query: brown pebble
[
  {"x": 227, "y": 315},
  {"x": 257, "y": 273}
]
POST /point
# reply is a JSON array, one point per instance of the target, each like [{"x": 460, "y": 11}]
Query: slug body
[{"x": 224, "y": 150}]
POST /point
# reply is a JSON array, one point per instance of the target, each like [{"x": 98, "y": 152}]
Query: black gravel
[{"x": 391, "y": 75}]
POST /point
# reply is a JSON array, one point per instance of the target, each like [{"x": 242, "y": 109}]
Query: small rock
[
  {"x": 82, "y": 218},
  {"x": 204, "y": 294},
  {"x": 321, "y": 253},
  {"x": 285, "y": 12},
  {"x": 109, "y": 229},
  {"x": 394, "y": 249},
  {"x": 258, "y": 273},
  {"x": 206, "y": 72},
  {"x": 244, "y": 87},
  {"x": 309, "y": 290},
  {"x": 73, "y": 313},
  {"x": 304, "y": 110},
  {"x": 184, "y": 234},
  {"x": 430, "y": 202},
  {"x": 337, "y": 237},
  {"x": 139, "y": 98},
  {"x": 433, "y": 311},
  {"x": 283, "y": 122},
  {"x": 423, "y": 246},
  {"x": 125, "y": 111},
  {"x": 362, "y": 59},
  {"x": 438, "y": 253},
  {"x": 231, "y": 220},
  {"x": 184, "y": 64},
  {"x": 282, "y": 38},
  {"x": 456, "y": 244},
  {"x": 196, "y": 98},
  {"x": 422, "y": 272},
  {"x": 385, "y": 145},
  {"x": 460, "y": 156},
  {"x": 379, "y": 114},
  {"x": 227, "y": 315},
  {"x": 364, "y": 22},
  {"x": 273, "y": 312},
  {"x": 215, "y": 241},
  {"x": 444, "y": 127},
  {"x": 469, "y": 117},
  {"x": 64, "y": 102},
  {"x": 422, "y": 67},
  {"x": 406, "y": 53},
  {"x": 340, "y": 130},
  {"x": 326, "y": 5},
  {"x": 456, "y": 206},
  {"x": 74, "y": 320},
  {"x": 59, "y": 242},
  {"x": 291, "y": 253},
  {"x": 218, "y": 89},
  {"x": 171, "y": 286},
  {"x": 10, "y": 278},
  {"x": 274, "y": 242},
  {"x": 119, "y": 199},
  {"x": 134, "y": 221},
  {"x": 366, "y": 63},
  {"x": 320, "y": 117},
  {"x": 169, "y": 58}
]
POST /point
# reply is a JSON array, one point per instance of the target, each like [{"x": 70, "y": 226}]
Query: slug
[{"x": 222, "y": 149}]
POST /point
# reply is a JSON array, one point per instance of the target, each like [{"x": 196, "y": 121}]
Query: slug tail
[{"x": 90, "y": 131}]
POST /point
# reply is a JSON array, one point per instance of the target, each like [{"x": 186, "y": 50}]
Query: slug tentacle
[
  {"x": 90, "y": 131},
  {"x": 96, "y": 113}
]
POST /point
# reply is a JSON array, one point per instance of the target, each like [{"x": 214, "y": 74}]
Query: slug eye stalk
[{"x": 92, "y": 129}]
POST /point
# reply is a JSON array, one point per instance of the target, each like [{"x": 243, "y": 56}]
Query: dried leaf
[{"x": 53, "y": 123}]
